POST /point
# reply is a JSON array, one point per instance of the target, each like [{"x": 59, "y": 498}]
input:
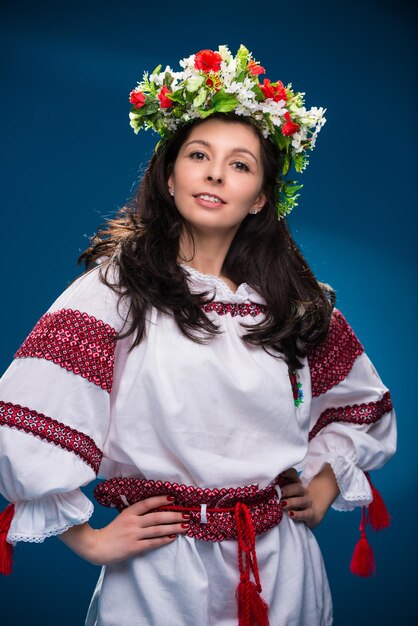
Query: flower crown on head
[{"x": 217, "y": 82}]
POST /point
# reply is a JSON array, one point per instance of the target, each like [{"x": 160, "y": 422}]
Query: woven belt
[{"x": 215, "y": 515}]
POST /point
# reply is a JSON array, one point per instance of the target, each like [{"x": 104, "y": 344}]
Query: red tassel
[
  {"x": 378, "y": 515},
  {"x": 362, "y": 561},
  {"x": 253, "y": 610},
  {"x": 6, "y": 549}
]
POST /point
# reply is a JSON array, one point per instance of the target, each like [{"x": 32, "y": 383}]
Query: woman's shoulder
[
  {"x": 91, "y": 298},
  {"x": 331, "y": 360}
]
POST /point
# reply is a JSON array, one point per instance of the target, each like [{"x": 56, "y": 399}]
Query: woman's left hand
[
  {"x": 309, "y": 504},
  {"x": 298, "y": 505}
]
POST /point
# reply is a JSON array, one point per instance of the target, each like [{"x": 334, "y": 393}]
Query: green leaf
[
  {"x": 242, "y": 57},
  {"x": 300, "y": 161},
  {"x": 177, "y": 96},
  {"x": 204, "y": 114},
  {"x": 258, "y": 93},
  {"x": 286, "y": 164},
  {"x": 135, "y": 122},
  {"x": 290, "y": 190},
  {"x": 177, "y": 112},
  {"x": 224, "y": 103},
  {"x": 149, "y": 108},
  {"x": 194, "y": 83},
  {"x": 157, "y": 69},
  {"x": 168, "y": 79},
  {"x": 200, "y": 98}
]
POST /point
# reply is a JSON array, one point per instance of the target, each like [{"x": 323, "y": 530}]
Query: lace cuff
[
  {"x": 352, "y": 482},
  {"x": 51, "y": 515}
]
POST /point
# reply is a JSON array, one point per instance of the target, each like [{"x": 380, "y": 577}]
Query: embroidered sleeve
[
  {"x": 55, "y": 410},
  {"x": 352, "y": 423}
]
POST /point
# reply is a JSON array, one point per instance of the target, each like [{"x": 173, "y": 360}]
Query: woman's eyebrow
[
  {"x": 246, "y": 151},
  {"x": 202, "y": 142}
]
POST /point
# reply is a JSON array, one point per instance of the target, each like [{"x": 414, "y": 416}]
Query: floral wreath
[{"x": 217, "y": 82}]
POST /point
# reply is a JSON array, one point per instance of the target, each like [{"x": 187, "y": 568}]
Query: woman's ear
[
  {"x": 170, "y": 183},
  {"x": 259, "y": 203}
]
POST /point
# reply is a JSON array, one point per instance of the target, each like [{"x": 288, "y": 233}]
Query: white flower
[
  {"x": 191, "y": 114},
  {"x": 158, "y": 79},
  {"x": 225, "y": 53},
  {"x": 249, "y": 105},
  {"x": 242, "y": 90},
  {"x": 188, "y": 62},
  {"x": 275, "y": 109},
  {"x": 320, "y": 124},
  {"x": 314, "y": 118},
  {"x": 228, "y": 70},
  {"x": 265, "y": 130},
  {"x": 298, "y": 138}
]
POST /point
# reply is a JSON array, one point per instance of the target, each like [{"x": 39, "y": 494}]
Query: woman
[{"x": 199, "y": 361}]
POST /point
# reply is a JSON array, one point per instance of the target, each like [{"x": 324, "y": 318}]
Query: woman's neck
[{"x": 205, "y": 254}]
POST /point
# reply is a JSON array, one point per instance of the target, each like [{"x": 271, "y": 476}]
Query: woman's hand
[
  {"x": 135, "y": 530},
  {"x": 309, "y": 504}
]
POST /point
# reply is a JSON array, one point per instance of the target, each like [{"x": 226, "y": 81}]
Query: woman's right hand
[{"x": 135, "y": 530}]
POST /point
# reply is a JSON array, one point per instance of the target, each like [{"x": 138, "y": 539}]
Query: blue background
[{"x": 70, "y": 159}]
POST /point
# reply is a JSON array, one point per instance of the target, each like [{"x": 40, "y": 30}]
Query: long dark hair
[{"x": 143, "y": 241}]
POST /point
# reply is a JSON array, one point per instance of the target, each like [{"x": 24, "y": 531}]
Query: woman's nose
[
  {"x": 214, "y": 171},
  {"x": 216, "y": 178}
]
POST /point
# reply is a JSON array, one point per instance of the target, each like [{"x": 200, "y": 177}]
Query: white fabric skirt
[{"x": 193, "y": 583}]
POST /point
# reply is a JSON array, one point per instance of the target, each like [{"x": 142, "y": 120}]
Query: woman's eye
[
  {"x": 239, "y": 165},
  {"x": 198, "y": 156}
]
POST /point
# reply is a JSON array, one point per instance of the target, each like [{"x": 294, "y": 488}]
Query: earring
[
  {"x": 171, "y": 192},
  {"x": 254, "y": 211}
]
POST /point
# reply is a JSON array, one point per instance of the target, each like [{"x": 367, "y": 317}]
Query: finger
[
  {"x": 151, "y": 544},
  {"x": 297, "y": 504},
  {"x": 152, "y": 532},
  {"x": 290, "y": 474},
  {"x": 305, "y": 517},
  {"x": 162, "y": 517},
  {"x": 295, "y": 489},
  {"x": 144, "y": 506}
]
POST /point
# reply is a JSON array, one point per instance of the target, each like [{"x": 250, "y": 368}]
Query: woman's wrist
[
  {"x": 84, "y": 541},
  {"x": 323, "y": 490}
]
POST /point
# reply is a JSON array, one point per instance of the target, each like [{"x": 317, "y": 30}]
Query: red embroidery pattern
[
  {"x": 366, "y": 413},
  {"x": 76, "y": 341},
  {"x": 263, "y": 504},
  {"x": 332, "y": 359},
  {"x": 242, "y": 310},
  {"x": 51, "y": 430}
]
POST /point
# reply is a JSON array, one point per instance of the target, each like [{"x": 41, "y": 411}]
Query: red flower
[
  {"x": 214, "y": 83},
  {"x": 208, "y": 61},
  {"x": 276, "y": 91},
  {"x": 289, "y": 128},
  {"x": 137, "y": 98},
  {"x": 255, "y": 69},
  {"x": 165, "y": 102}
]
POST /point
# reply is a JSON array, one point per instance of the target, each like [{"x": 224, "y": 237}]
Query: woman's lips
[{"x": 203, "y": 200}]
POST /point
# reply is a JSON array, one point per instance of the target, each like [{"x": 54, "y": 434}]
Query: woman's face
[{"x": 218, "y": 176}]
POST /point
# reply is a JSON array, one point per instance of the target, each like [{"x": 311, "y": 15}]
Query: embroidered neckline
[
  {"x": 234, "y": 309},
  {"x": 199, "y": 281},
  {"x": 213, "y": 280}
]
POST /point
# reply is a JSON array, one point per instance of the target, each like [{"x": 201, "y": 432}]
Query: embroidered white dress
[{"x": 217, "y": 415}]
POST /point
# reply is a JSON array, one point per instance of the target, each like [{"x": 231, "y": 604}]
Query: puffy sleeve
[
  {"x": 352, "y": 421},
  {"x": 54, "y": 410}
]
